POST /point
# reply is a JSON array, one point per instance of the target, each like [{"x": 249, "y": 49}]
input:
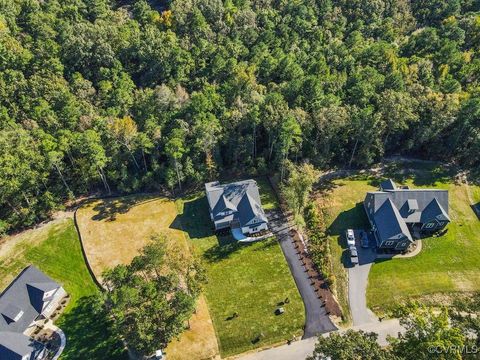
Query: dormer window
[
  {"x": 19, "y": 315},
  {"x": 412, "y": 205},
  {"x": 12, "y": 313}
]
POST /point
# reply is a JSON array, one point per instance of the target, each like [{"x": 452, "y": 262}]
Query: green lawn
[
  {"x": 446, "y": 265},
  {"x": 56, "y": 251},
  {"x": 267, "y": 196},
  {"x": 249, "y": 279},
  {"x": 475, "y": 194}
]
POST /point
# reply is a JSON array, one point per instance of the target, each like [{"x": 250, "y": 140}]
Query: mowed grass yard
[
  {"x": 55, "y": 249},
  {"x": 114, "y": 230},
  {"x": 446, "y": 266},
  {"x": 248, "y": 279}
]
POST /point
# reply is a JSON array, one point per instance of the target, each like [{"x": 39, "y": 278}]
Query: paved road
[
  {"x": 299, "y": 350},
  {"x": 316, "y": 318}
]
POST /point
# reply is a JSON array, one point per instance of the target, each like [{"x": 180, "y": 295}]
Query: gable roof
[
  {"x": 423, "y": 198},
  {"x": 14, "y": 346},
  {"x": 412, "y": 204},
  {"x": 11, "y": 313},
  {"x": 242, "y": 197},
  {"x": 391, "y": 208},
  {"x": 407, "y": 199},
  {"x": 26, "y": 294},
  {"x": 388, "y": 185},
  {"x": 389, "y": 222},
  {"x": 434, "y": 211},
  {"x": 224, "y": 204}
]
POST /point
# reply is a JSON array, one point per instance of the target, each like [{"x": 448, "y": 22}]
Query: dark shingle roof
[
  {"x": 423, "y": 197},
  {"x": 388, "y": 185},
  {"x": 11, "y": 313},
  {"x": 395, "y": 207},
  {"x": 412, "y": 204},
  {"x": 14, "y": 346},
  {"x": 434, "y": 211},
  {"x": 389, "y": 222},
  {"x": 242, "y": 197},
  {"x": 25, "y": 293}
]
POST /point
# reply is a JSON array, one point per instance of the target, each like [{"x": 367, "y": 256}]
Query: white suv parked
[{"x": 350, "y": 238}]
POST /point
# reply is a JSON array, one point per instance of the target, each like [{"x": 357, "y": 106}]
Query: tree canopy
[
  {"x": 119, "y": 96},
  {"x": 151, "y": 299}
]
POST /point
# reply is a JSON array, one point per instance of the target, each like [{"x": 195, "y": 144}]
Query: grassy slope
[
  {"x": 56, "y": 250},
  {"x": 250, "y": 279}
]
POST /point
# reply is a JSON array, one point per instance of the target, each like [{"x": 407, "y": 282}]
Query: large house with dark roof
[
  {"x": 395, "y": 213},
  {"x": 30, "y": 298},
  {"x": 236, "y": 205}
]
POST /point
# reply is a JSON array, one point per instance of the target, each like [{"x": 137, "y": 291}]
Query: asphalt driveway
[
  {"x": 316, "y": 319},
  {"x": 357, "y": 287}
]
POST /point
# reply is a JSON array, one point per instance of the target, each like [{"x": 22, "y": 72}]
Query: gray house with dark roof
[
  {"x": 236, "y": 205},
  {"x": 32, "y": 296},
  {"x": 397, "y": 212}
]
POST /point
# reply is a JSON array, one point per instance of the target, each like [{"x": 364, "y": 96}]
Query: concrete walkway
[
  {"x": 316, "y": 319},
  {"x": 299, "y": 350},
  {"x": 63, "y": 339},
  {"x": 410, "y": 254},
  {"x": 241, "y": 237}
]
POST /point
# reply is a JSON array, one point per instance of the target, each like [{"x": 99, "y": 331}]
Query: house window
[
  {"x": 429, "y": 225},
  {"x": 389, "y": 243}
]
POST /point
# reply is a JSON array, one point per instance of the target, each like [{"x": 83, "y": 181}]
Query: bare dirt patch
[{"x": 197, "y": 339}]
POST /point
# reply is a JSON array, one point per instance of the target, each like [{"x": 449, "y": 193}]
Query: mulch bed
[{"x": 318, "y": 283}]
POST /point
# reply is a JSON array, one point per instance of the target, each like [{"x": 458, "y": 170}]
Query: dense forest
[{"x": 121, "y": 96}]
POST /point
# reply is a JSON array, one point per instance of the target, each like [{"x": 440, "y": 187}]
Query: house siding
[
  {"x": 252, "y": 229},
  {"x": 222, "y": 225}
]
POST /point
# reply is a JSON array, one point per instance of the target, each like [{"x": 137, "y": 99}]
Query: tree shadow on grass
[
  {"x": 195, "y": 219},
  {"x": 267, "y": 244},
  {"x": 354, "y": 218},
  {"x": 89, "y": 334},
  {"x": 423, "y": 174},
  {"x": 110, "y": 208},
  {"x": 226, "y": 246}
]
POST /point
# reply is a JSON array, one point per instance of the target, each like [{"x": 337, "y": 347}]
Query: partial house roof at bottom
[
  {"x": 25, "y": 293},
  {"x": 14, "y": 346}
]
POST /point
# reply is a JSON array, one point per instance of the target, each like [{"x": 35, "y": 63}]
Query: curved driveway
[{"x": 316, "y": 319}]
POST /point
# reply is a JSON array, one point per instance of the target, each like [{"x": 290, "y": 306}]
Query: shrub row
[{"x": 318, "y": 242}]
